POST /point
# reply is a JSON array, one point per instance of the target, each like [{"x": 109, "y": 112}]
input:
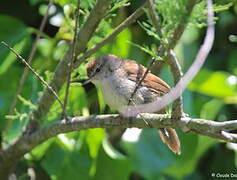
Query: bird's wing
[{"x": 136, "y": 71}]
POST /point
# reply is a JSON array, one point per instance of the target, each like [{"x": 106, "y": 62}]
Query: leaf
[
  {"x": 14, "y": 33},
  {"x": 121, "y": 47},
  {"x": 211, "y": 109},
  {"x": 233, "y": 38},
  {"x": 146, "y": 50},
  {"x": 214, "y": 84},
  {"x": 62, "y": 164},
  {"x": 193, "y": 146},
  {"x": 152, "y": 158},
  {"x": 149, "y": 155},
  {"x": 94, "y": 138},
  {"x": 118, "y": 4},
  {"x": 27, "y": 102},
  {"x": 39, "y": 151},
  {"x": 116, "y": 167},
  {"x": 101, "y": 101}
]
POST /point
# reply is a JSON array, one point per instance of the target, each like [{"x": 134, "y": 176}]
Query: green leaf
[
  {"x": 39, "y": 151},
  {"x": 211, "y": 109},
  {"x": 118, "y": 4},
  {"x": 146, "y": 49},
  {"x": 192, "y": 146},
  {"x": 121, "y": 46},
  {"x": 113, "y": 165},
  {"x": 14, "y": 33},
  {"x": 62, "y": 164},
  {"x": 27, "y": 102},
  {"x": 94, "y": 138},
  {"x": 153, "y": 159},
  {"x": 214, "y": 84},
  {"x": 77, "y": 101},
  {"x": 149, "y": 155},
  {"x": 101, "y": 101}
]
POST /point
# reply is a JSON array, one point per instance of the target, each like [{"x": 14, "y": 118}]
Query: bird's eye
[{"x": 97, "y": 69}]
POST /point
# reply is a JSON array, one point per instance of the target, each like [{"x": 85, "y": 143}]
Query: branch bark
[
  {"x": 218, "y": 130},
  {"x": 167, "y": 52},
  {"x": 10, "y": 156},
  {"x": 177, "y": 91},
  {"x": 131, "y": 19},
  {"x": 60, "y": 74},
  {"x": 45, "y": 101}
]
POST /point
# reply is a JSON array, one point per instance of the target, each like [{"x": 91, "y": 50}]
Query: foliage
[{"x": 88, "y": 154}]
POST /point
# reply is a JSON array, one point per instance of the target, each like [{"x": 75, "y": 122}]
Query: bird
[{"x": 118, "y": 78}]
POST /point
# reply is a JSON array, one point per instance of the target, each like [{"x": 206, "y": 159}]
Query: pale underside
[{"x": 117, "y": 91}]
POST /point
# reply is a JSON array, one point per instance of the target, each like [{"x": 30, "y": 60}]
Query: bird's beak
[{"x": 86, "y": 82}]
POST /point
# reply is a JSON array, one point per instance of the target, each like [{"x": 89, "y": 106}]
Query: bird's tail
[{"x": 171, "y": 139}]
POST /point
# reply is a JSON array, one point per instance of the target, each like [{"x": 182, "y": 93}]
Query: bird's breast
[{"x": 117, "y": 92}]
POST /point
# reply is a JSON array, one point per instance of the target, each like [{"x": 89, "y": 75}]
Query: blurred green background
[{"x": 138, "y": 155}]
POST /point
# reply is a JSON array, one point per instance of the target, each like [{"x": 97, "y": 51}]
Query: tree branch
[
  {"x": 60, "y": 74},
  {"x": 180, "y": 29},
  {"x": 176, "y": 92},
  {"x": 59, "y": 77},
  {"x": 35, "y": 73},
  {"x": 73, "y": 57},
  {"x": 171, "y": 59},
  {"x": 177, "y": 108},
  {"x": 131, "y": 19},
  {"x": 218, "y": 130},
  {"x": 30, "y": 58}
]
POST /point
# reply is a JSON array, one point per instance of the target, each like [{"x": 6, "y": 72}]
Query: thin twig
[
  {"x": 172, "y": 61},
  {"x": 140, "y": 81},
  {"x": 73, "y": 57},
  {"x": 60, "y": 74},
  {"x": 157, "y": 25},
  {"x": 131, "y": 19},
  {"x": 180, "y": 29},
  {"x": 190, "y": 74},
  {"x": 154, "y": 18},
  {"x": 25, "y": 72},
  {"x": 35, "y": 73},
  {"x": 31, "y": 56}
]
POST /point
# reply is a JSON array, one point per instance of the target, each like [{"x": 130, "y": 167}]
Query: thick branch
[
  {"x": 61, "y": 71},
  {"x": 170, "y": 57},
  {"x": 177, "y": 106},
  {"x": 218, "y": 130},
  {"x": 59, "y": 77},
  {"x": 176, "y": 92}
]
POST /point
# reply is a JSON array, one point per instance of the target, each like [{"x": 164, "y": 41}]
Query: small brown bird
[{"x": 118, "y": 78}]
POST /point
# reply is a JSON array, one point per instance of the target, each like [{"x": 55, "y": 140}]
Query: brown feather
[
  {"x": 135, "y": 72},
  {"x": 90, "y": 67},
  {"x": 171, "y": 139}
]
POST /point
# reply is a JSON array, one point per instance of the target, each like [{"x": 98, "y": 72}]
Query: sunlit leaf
[
  {"x": 110, "y": 166},
  {"x": 211, "y": 109},
  {"x": 121, "y": 47},
  {"x": 14, "y": 33},
  {"x": 214, "y": 84}
]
